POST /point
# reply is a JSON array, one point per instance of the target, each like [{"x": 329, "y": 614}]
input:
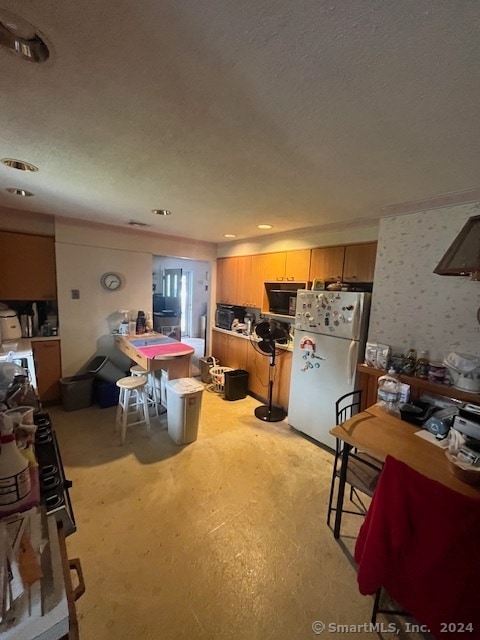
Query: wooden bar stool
[
  {"x": 152, "y": 391},
  {"x": 132, "y": 400}
]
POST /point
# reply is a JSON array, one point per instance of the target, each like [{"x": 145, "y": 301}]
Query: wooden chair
[{"x": 363, "y": 470}]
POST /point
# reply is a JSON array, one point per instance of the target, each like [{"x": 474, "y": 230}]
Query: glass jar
[
  {"x": 410, "y": 363},
  {"x": 421, "y": 369}
]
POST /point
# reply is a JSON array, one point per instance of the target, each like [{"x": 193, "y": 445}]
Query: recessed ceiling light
[
  {"x": 22, "y": 39},
  {"x": 19, "y": 192},
  {"x": 264, "y": 226},
  {"x": 229, "y": 235},
  {"x": 162, "y": 212},
  {"x": 19, "y": 164}
]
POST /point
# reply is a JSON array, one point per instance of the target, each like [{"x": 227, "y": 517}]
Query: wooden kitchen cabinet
[
  {"x": 227, "y": 269},
  {"x": 258, "y": 367},
  {"x": 327, "y": 263},
  {"x": 236, "y": 352},
  {"x": 48, "y": 369},
  {"x": 27, "y": 267},
  {"x": 287, "y": 266},
  {"x": 250, "y": 281},
  {"x": 240, "y": 280},
  {"x": 349, "y": 263},
  {"x": 359, "y": 264},
  {"x": 231, "y": 350}
]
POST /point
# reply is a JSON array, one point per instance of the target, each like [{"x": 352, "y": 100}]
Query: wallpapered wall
[{"x": 412, "y": 306}]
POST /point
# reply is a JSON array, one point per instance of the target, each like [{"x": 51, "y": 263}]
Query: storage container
[{"x": 77, "y": 391}]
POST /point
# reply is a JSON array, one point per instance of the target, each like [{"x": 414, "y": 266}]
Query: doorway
[
  {"x": 188, "y": 281},
  {"x": 186, "y": 304}
]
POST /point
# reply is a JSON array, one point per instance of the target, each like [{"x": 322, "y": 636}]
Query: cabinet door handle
[
  {"x": 290, "y": 278},
  {"x": 279, "y": 278}
]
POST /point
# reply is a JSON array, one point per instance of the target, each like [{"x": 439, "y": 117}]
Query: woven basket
[
  {"x": 462, "y": 470},
  {"x": 218, "y": 377}
]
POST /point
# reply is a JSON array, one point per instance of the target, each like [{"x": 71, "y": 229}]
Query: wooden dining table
[{"x": 379, "y": 433}]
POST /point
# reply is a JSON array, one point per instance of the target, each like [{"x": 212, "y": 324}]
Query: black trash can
[
  {"x": 104, "y": 369},
  {"x": 236, "y": 384}
]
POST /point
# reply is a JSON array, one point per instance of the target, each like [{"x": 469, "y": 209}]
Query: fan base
[{"x": 275, "y": 414}]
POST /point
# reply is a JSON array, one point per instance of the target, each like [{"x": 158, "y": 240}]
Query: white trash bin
[{"x": 184, "y": 401}]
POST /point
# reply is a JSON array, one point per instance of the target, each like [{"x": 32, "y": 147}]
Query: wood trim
[
  {"x": 368, "y": 381},
  {"x": 71, "y": 594}
]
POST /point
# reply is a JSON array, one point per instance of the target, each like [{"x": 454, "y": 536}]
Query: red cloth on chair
[{"x": 421, "y": 542}]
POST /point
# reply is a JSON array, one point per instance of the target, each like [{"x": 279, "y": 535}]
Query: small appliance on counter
[
  {"x": 464, "y": 370},
  {"x": 10, "y": 328},
  {"x": 227, "y": 313}
]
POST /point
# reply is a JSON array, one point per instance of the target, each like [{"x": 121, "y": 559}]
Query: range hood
[{"x": 462, "y": 258}]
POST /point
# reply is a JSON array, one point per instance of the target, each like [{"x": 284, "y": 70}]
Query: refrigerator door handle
[
  {"x": 352, "y": 360},
  {"x": 356, "y": 321}
]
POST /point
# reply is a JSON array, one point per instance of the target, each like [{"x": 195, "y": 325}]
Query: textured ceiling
[{"x": 232, "y": 113}]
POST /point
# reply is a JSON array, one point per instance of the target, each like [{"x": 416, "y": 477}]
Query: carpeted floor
[{"x": 223, "y": 539}]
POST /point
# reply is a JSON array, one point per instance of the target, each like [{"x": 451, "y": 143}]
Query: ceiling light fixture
[
  {"x": 19, "y": 164},
  {"x": 229, "y": 235},
  {"x": 161, "y": 212},
  {"x": 264, "y": 226},
  {"x": 22, "y": 39},
  {"x": 19, "y": 192}
]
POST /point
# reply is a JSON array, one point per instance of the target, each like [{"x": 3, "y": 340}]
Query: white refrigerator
[{"x": 329, "y": 341}]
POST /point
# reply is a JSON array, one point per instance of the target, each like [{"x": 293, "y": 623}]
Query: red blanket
[{"x": 421, "y": 542}]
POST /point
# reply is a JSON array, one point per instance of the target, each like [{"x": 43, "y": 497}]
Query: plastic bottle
[
  {"x": 421, "y": 370},
  {"x": 15, "y": 485},
  {"x": 149, "y": 322},
  {"x": 388, "y": 392}
]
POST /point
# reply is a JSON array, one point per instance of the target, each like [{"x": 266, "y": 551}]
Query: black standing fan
[{"x": 267, "y": 337}]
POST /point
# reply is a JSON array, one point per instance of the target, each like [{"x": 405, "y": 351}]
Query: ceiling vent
[
  {"x": 462, "y": 258},
  {"x": 136, "y": 223}
]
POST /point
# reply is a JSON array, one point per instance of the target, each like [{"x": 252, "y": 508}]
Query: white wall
[
  {"x": 412, "y": 306},
  {"x": 83, "y": 253}
]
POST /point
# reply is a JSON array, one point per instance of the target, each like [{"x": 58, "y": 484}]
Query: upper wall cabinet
[
  {"x": 287, "y": 266},
  {"x": 27, "y": 267},
  {"x": 351, "y": 263},
  {"x": 359, "y": 263},
  {"x": 227, "y": 280},
  {"x": 327, "y": 263}
]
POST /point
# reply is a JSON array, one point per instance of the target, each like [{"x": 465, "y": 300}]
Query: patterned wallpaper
[{"x": 412, "y": 306}]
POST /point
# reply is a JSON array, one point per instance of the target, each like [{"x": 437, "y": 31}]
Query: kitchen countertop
[
  {"x": 24, "y": 345},
  {"x": 287, "y": 347}
]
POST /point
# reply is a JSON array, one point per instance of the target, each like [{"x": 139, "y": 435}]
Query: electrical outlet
[{"x": 75, "y": 294}]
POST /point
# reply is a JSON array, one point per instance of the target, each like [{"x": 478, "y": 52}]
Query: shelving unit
[{"x": 368, "y": 382}]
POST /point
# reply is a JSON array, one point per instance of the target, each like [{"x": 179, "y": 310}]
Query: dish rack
[{"x": 218, "y": 378}]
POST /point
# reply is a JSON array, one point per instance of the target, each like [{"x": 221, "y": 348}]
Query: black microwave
[
  {"x": 227, "y": 313},
  {"x": 282, "y": 299}
]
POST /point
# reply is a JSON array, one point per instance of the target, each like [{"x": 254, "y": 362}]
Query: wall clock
[{"x": 111, "y": 281}]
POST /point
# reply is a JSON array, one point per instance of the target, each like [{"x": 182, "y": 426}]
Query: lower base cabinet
[
  {"x": 48, "y": 369},
  {"x": 238, "y": 353}
]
